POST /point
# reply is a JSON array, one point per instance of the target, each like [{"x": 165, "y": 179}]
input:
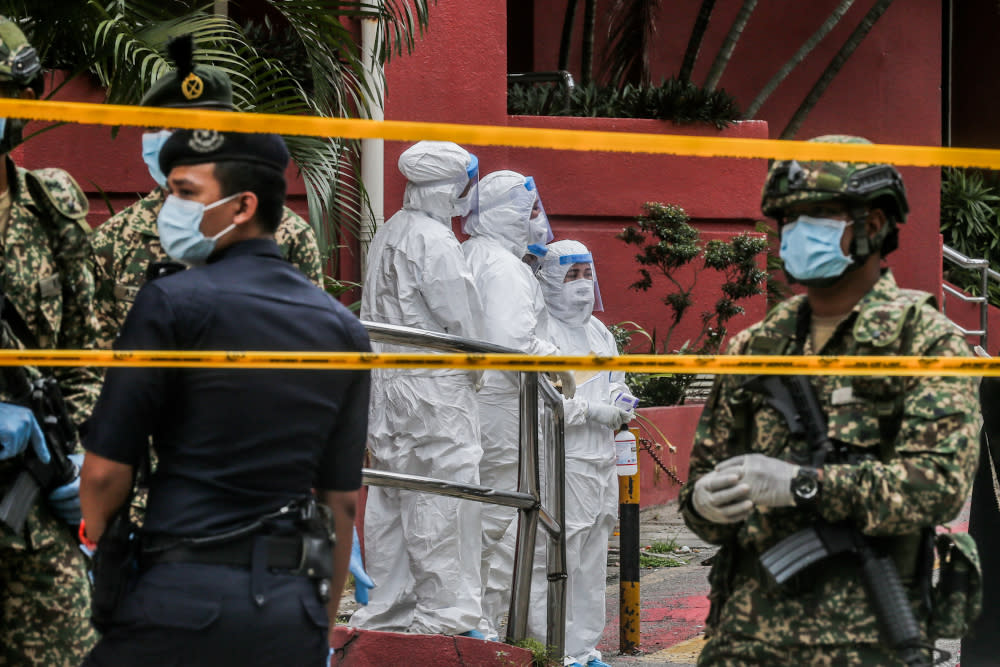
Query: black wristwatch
[{"x": 806, "y": 487}]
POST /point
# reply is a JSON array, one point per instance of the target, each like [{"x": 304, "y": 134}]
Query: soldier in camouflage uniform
[
  {"x": 912, "y": 441},
  {"x": 44, "y": 592},
  {"x": 127, "y": 243}
]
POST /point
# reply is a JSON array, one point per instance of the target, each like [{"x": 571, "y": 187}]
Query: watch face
[{"x": 805, "y": 486}]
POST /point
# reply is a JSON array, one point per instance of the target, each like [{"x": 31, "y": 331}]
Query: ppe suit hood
[
  {"x": 504, "y": 210},
  {"x": 436, "y": 174},
  {"x": 556, "y": 292}
]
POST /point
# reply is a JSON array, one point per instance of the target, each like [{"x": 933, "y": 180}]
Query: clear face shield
[
  {"x": 467, "y": 204},
  {"x": 534, "y": 256},
  {"x": 539, "y": 229},
  {"x": 581, "y": 267}
]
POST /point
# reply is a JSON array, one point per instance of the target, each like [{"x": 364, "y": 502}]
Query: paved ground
[{"x": 672, "y": 600}]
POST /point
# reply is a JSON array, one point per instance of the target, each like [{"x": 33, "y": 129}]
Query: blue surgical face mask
[
  {"x": 152, "y": 143},
  {"x": 179, "y": 223},
  {"x": 810, "y": 248}
]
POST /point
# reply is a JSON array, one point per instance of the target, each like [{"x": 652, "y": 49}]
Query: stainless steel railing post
[
  {"x": 527, "y": 499},
  {"x": 555, "y": 459},
  {"x": 527, "y": 527}
]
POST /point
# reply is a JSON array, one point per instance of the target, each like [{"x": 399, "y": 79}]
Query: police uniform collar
[{"x": 263, "y": 247}]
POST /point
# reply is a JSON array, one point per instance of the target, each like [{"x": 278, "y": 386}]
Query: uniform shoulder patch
[
  {"x": 881, "y": 324},
  {"x": 55, "y": 188}
]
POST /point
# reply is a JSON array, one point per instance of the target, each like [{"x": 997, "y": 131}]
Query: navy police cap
[{"x": 185, "y": 147}]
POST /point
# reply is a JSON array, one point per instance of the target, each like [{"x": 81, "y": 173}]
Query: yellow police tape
[
  {"x": 635, "y": 363},
  {"x": 485, "y": 135}
]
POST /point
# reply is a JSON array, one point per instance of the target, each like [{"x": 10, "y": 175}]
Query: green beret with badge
[{"x": 190, "y": 85}]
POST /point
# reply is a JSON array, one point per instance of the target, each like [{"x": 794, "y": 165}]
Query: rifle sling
[{"x": 10, "y": 314}]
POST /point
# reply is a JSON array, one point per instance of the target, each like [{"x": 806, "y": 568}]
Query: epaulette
[
  {"x": 57, "y": 191},
  {"x": 882, "y": 324},
  {"x": 920, "y": 296}
]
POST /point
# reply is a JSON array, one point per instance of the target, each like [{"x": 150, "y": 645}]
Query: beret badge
[{"x": 206, "y": 141}]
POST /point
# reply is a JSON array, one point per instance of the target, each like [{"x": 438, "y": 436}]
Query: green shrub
[
  {"x": 668, "y": 243},
  {"x": 673, "y": 100}
]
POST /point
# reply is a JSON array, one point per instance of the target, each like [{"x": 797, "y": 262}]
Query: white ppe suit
[
  {"x": 422, "y": 550},
  {"x": 512, "y": 307},
  {"x": 591, "y": 477}
]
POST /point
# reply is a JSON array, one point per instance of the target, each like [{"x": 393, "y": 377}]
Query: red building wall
[{"x": 889, "y": 91}]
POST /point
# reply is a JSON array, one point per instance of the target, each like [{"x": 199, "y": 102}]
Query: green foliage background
[
  {"x": 970, "y": 223},
  {"x": 674, "y": 100}
]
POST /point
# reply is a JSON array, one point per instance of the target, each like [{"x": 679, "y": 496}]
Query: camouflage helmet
[
  {"x": 189, "y": 85},
  {"x": 19, "y": 63},
  {"x": 855, "y": 183}
]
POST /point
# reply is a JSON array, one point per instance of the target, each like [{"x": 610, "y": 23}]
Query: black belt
[{"x": 283, "y": 553}]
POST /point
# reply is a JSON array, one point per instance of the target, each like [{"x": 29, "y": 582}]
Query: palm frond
[
  {"x": 729, "y": 44},
  {"x": 631, "y": 30},
  {"x": 694, "y": 42},
  {"x": 829, "y": 74},
  {"x": 807, "y": 47},
  {"x": 127, "y": 56},
  {"x": 401, "y": 22},
  {"x": 303, "y": 62}
]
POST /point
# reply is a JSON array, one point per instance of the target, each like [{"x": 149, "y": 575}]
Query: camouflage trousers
[
  {"x": 729, "y": 651},
  {"x": 44, "y": 604}
]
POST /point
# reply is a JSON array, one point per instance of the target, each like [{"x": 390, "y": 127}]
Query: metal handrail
[
  {"x": 527, "y": 498},
  {"x": 560, "y": 76},
  {"x": 986, "y": 274}
]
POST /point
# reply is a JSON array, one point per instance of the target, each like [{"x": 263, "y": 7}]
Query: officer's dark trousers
[{"x": 192, "y": 615}]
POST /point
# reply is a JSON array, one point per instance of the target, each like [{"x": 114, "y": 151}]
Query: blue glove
[
  {"x": 18, "y": 427},
  {"x": 362, "y": 582},
  {"x": 64, "y": 501}
]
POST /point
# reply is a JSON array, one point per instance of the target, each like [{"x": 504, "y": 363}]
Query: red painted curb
[{"x": 367, "y": 648}]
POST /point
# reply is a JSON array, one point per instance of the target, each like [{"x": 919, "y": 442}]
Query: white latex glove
[
  {"x": 563, "y": 381},
  {"x": 769, "y": 479},
  {"x": 568, "y": 383},
  {"x": 477, "y": 380},
  {"x": 625, "y": 401},
  {"x": 607, "y": 415},
  {"x": 722, "y": 498}
]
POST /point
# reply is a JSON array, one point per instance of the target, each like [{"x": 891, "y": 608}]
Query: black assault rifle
[
  {"x": 44, "y": 398},
  {"x": 794, "y": 397}
]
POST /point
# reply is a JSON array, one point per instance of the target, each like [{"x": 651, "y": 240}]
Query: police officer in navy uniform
[{"x": 236, "y": 566}]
